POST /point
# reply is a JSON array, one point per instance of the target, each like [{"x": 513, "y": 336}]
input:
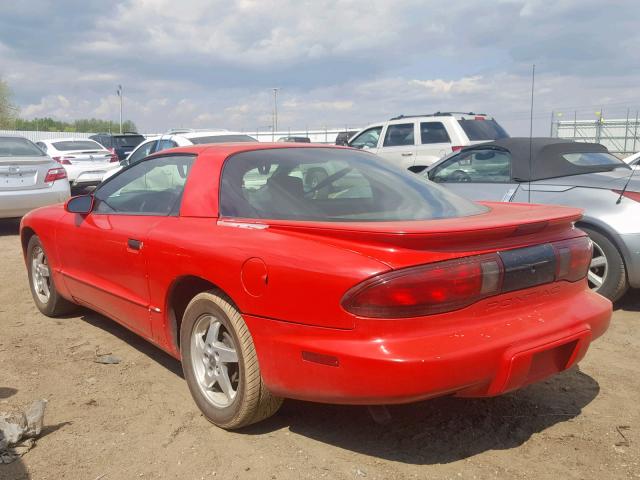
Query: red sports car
[{"x": 319, "y": 273}]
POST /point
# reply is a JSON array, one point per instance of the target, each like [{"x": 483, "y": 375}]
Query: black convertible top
[{"x": 546, "y": 157}]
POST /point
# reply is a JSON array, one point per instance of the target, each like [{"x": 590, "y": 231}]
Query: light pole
[
  {"x": 120, "y": 95},
  {"x": 275, "y": 109}
]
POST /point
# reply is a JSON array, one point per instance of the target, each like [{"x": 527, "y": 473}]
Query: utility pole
[
  {"x": 275, "y": 110},
  {"x": 119, "y": 92}
]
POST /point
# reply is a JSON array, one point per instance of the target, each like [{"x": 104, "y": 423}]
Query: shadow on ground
[
  {"x": 137, "y": 342},
  {"x": 9, "y": 226},
  {"x": 630, "y": 302},
  {"x": 441, "y": 430}
]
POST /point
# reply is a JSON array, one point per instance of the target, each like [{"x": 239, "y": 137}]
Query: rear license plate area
[{"x": 528, "y": 267}]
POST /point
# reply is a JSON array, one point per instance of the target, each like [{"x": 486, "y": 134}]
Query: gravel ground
[{"x": 136, "y": 419}]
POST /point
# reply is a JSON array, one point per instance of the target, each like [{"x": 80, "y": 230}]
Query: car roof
[
  {"x": 68, "y": 139},
  {"x": 542, "y": 158},
  {"x": 227, "y": 149}
]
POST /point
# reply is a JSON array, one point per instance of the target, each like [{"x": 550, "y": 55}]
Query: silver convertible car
[{"x": 561, "y": 172}]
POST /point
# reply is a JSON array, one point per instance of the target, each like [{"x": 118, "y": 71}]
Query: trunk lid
[
  {"x": 20, "y": 173},
  {"x": 611, "y": 180},
  {"x": 401, "y": 244},
  {"x": 85, "y": 157}
]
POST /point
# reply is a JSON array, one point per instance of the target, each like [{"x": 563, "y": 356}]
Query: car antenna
[
  {"x": 533, "y": 83},
  {"x": 624, "y": 189}
]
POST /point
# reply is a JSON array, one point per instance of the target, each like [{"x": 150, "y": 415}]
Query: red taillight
[
  {"x": 63, "y": 160},
  {"x": 631, "y": 195},
  {"x": 456, "y": 148},
  {"x": 426, "y": 289},
  {"x": 573, "y": 258},
  {"x": 55, "y": 174},
  {"x": 114, "y": 155},
  {"x": 454, "y": 284}
]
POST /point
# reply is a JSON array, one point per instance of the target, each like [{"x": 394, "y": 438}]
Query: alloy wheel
[
  {"x": 598, "y": 268},
  {"x": 40, "y": 275},
  {"x": 215, "y": 361}
]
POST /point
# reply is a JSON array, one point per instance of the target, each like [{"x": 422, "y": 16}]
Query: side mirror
[{"x": 82, "y": 204}]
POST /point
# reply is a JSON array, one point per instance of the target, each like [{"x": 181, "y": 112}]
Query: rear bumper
[
  {"x": 85, "y": 175},
  {"x": 631, "y": 251},
  {"x": 493, "y": 347},
  {"x": 18, "y": 203}
]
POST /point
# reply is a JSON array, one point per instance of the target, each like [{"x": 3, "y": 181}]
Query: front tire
[
  {"x": 607, "y": 274},
  {"x": 220, "y": 364},
  {"x": 43, "y": 289}
]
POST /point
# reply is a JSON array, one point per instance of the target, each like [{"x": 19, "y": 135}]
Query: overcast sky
[{"x": 209, "y": 63}]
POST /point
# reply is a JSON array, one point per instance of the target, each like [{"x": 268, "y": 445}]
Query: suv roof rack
[
  {"x": 437, "y": 114},
  {"x": 178, "y": 131},
  {"x": 116, "y": 133}
]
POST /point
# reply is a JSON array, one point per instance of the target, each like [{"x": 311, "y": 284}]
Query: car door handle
[
  {"x": 407, "y": 154},
  {"x": 134, "y": 244}
]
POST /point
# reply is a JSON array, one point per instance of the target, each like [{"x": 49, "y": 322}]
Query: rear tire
[
  {"x": 43, "y": 289},
  {"x": 220, "y": 364},
  {"x": 607, "y": 274}
]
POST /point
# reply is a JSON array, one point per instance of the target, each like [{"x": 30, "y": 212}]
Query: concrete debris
[
  {"x": 107, "y": 359},
  {"x": 19, "y": 430}
]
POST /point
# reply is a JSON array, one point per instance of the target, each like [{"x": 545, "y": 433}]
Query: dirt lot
[{"x": 137, "y": 420}]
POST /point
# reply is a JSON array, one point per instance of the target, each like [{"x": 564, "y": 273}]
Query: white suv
[
  {"x": 179, "y": 138},
  {"x": 417, "y": 141}
]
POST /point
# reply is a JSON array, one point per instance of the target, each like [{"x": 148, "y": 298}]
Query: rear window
[
  {"x": 222, "y": 139},
  {"x": 482, "y": 129},
  {"x": 77, "y": 145},
  {"x": 331, "y": 185},
  {"x": 593, "y": 159},
  {"x": 128, "y": 140},
  {"x": 18, "y": 147}
]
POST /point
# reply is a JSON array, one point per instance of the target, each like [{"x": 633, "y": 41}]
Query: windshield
[
  {"x": 478, "y": 130},
  {"x": 19, "y": 147},
  {"x": 331, "y": 185},
  {"x": 594, "y": 159},
  {"x": 128, "y": 140},
  {"x": 69, "y": 145},
  {"x": 222, "y": 139}
]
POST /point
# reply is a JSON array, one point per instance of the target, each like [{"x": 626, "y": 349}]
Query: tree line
[{"x": 10, "y": 120}]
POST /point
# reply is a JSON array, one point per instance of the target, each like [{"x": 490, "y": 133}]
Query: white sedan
[
  {"x": 633, "y": 161},
  {"x": 179, "y": 138},
  {"x": 85, "y": 161}
]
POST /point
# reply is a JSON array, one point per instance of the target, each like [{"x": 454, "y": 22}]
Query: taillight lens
[
  {"x": 55, "y": 174},
  {"x": 63, "y": 160},
  {"x": 573, "y": 258},
  {"x": 456, "y": 148},
  {"x": 453, "y": 284},
  {"x": 631, "y": 195},
  {"x": 114, "y": 155},
  {"x": 426, "y": 289}
]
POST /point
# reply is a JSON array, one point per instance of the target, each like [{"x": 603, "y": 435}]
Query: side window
[
  {"x": 142, "y": 152},
  {"x": 399, "y": 135},
  {"x": 165, "y": 144},
  {"x": 433, "y": 132},
  {"x": 477, "y": 166},
  {"x": 369, "y": 138},
  {"x": 151, "y": 187}
]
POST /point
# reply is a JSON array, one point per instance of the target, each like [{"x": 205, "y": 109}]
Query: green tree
[{"x": 8, "y": 111}]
